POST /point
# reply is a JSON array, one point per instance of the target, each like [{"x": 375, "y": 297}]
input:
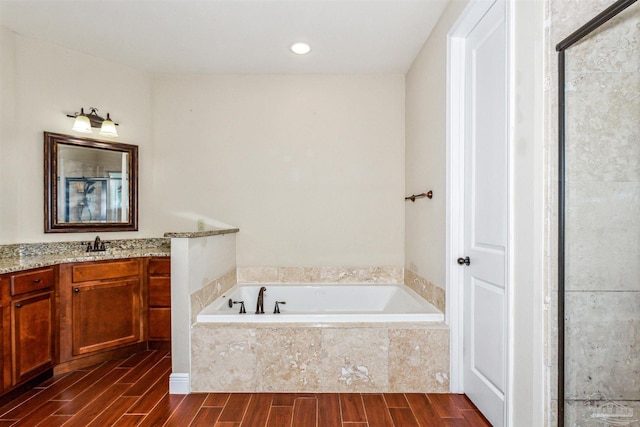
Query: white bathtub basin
[{"x": 322, "y": 303}]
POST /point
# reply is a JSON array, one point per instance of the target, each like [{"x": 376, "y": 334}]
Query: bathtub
[{"x": 322, "y": 303}]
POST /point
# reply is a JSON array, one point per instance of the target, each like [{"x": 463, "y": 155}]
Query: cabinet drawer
[
  {"x": 160, "y": 324},
  {"x": 105, "y": 270},
  {"x": 159, "y": 266},
  {"x": 160, "y": 292},
  {"x": 32, "y": 281}
]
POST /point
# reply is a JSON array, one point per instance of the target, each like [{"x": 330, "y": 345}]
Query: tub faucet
[{"x": 260, "y": 305}]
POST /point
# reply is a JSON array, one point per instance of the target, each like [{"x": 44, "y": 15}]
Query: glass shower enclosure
[{"x": 599, "y": 221}]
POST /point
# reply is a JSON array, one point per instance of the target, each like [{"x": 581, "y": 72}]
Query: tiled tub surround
[
  {"x": 348, "y": 275},
  {"x": 320, "y": 358},
  {"x": 382, "y": 275},
  {"x": 24, "y": 256},
  {"x": 427, "y": 290},
  {"x": 212, "y": 290}
]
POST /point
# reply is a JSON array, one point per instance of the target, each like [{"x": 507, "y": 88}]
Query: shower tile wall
[{"x": 603, "y": 211}]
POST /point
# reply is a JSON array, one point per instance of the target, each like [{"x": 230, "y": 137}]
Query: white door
[{"x": 485, "y": 214}]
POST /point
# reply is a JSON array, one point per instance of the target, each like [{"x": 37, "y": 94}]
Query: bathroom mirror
[{"x": 90, "y": 185}]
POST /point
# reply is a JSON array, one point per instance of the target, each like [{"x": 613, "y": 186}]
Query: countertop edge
[{"x": 196, "y": 234}]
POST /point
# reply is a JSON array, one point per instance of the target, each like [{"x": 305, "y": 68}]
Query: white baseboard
[{"x": 179, "y": 383}]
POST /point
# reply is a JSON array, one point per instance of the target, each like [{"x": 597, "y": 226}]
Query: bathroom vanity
[
  {"x": 28, "y": 313},
  {"x": 71, "y": 315}
]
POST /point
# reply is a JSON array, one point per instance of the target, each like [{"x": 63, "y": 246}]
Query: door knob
[{"x": 464, "y": 261}]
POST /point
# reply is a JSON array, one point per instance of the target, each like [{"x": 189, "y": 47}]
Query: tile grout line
[
  {"x": 364, "y": 409},
  {"x": 244, "y": 413},
  {"x": 174, "y": 410},
  {"x": 143, "y": 395},
  {"x": 43, "y": 391},
  {"x": 411, "y": 407},
  {"x": 266, "y": 421},
  {"x": 145, "y": 415},
  {"x": 91, "y": 401}
]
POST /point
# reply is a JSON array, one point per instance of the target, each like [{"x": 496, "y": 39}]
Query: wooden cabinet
[
  {"x": 74, "y": 315},
  {"x": 33, "y": 335},
  {"x": 105, "y": 315},
  {"x": 29, "y": 324},
  {"x": 159, "y": 299},
  {"x": 100, "y": 304}
]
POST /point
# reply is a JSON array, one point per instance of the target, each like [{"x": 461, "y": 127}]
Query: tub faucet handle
[
  {"x": 276, "y": 310},
  {"x": 242, "y": 310}
]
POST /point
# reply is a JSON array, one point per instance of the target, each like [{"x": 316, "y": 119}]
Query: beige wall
[
  {"x": 425, "y": 162},
  {"x": 40, "y": 82},
  {"x": 309, "y": 167},
  {"x": 7, "y": 101}
]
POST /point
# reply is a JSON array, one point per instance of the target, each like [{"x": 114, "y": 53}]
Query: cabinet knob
[
  {"x": 18, "y": 305},
  {"x": 76, "y": 290},
  {"x": 36, "y": 280}
]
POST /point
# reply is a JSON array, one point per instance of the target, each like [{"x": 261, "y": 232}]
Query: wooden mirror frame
[{"x": 51, "y": 224}]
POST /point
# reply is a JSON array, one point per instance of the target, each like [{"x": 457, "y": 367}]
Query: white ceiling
[{"x": 234, "y": 36}]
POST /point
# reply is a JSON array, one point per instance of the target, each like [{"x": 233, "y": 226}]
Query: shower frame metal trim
[{"x": 561, "y": 47}]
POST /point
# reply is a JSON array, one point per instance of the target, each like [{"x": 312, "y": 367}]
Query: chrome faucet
[{"x": 260, "y": 305}]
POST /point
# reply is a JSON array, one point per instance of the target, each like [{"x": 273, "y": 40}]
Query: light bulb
[
  {"x": 108, "y": 128},
  {"x": 82, "y": 123},
  {"x": 300, "y": 48}
]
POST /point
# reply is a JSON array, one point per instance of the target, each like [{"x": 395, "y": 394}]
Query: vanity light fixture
[
  {"x": 84, "y": 122},
  {"x": 300, "y": 48}
]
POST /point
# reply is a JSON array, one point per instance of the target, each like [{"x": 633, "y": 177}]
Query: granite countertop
[
  {"x": 13, "y": 264},
  {"x": 205, "y": 233},
  {"x": 25, "y": 256}
]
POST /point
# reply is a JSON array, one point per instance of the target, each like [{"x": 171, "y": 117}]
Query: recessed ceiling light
[{"x": 300, "y": 48}]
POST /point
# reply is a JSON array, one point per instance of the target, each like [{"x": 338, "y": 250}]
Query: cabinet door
[
  {"x": 105, "y": 315},
  {"x": 33, "y": 335}
]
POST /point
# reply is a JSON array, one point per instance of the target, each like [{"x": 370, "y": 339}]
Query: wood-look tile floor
[{"x": 134, "y": 392}]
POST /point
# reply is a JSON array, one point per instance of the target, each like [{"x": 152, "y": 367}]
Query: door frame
[{"x": 472, "y": 14}]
